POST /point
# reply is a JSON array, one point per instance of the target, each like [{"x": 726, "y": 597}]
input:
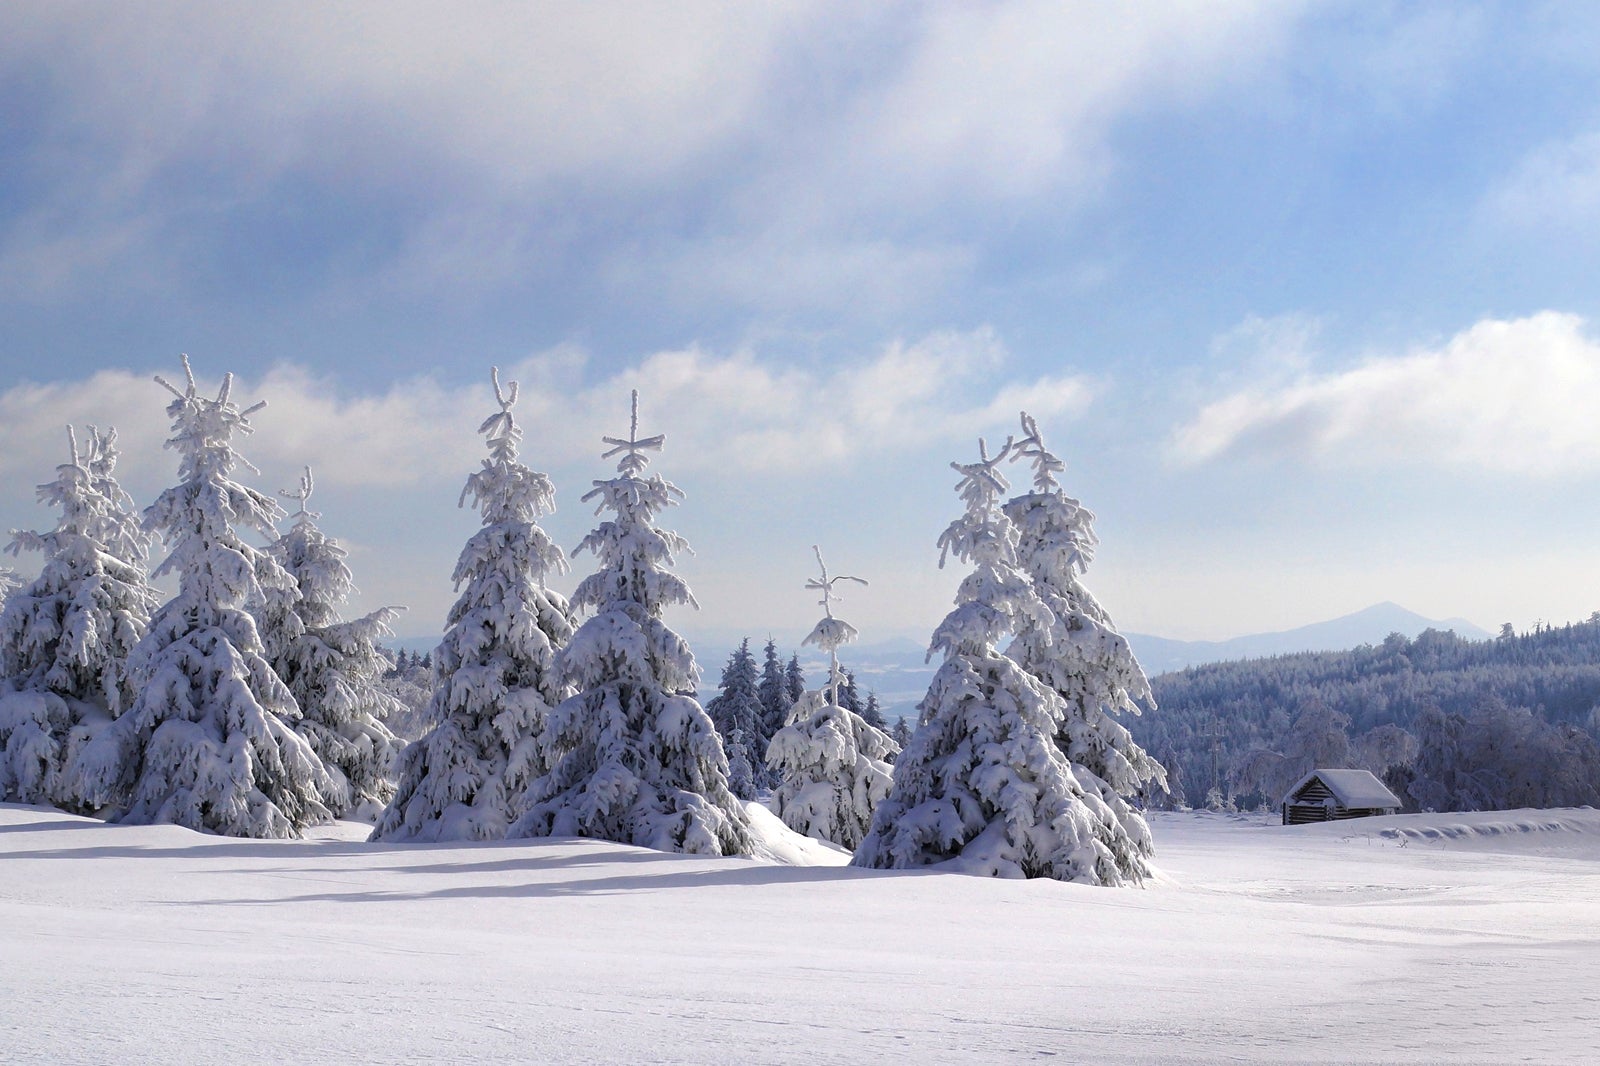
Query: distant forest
[{"x": 1450, "y": 724}]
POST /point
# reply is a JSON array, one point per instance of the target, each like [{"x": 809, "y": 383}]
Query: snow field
[{"x": 1476, "y": 941}]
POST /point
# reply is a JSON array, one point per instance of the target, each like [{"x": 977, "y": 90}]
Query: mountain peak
[{"x": 1370, "y": 625}]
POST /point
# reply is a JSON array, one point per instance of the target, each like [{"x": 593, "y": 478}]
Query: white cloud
[
  {"x": 1557, "y": 183},
  {"x": 967, "y": 110},
  {"x": 1510, "y": 396},
  {"x": 400, "y": 436},
  {"x": 33, "y": 421},
  {"x": 1261, "y": 349},
  {"x": 516, "y": 92},
  {"x": 790, "y": 154},
  {"x": 1013, "y": 99},
  {"x": 737, "y": 411},
  {"x": 718, "y": 410},
  {"x": 461, "y": 112}
]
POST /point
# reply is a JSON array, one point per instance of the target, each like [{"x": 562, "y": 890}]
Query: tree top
[
  {"x": 1046, "y": 465},
  {"x": 632, "y": 450}
]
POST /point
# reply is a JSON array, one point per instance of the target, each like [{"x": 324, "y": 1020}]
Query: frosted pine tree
[
  {"x": 848, "y": 696},
  {"x": 494, "y": 674},
  {"x": 207, "y": 742},
  {"x": 982, "y": 785},
  {"x": 65, "y": 638},
  {"x": 833, "y": 768},
  {"x": 775, "y": 703},
  {"x": 737, "y": 709},
  {"x": 793, "y": 691},
  {"x": 639, "y": 761},
  {"x": 741, "y": 774},
  {"x": 334, "y": 668},
  {"x": 411, "y": 687},
  {"x": 1082, "y": 657},
  {"x": 794, "y": 680},
  {"x": 872, "y": 712},
  {"x": 772, "y": 692}
]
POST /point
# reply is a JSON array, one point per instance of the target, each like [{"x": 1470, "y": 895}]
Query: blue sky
[{"x": 1303, "y": 292}]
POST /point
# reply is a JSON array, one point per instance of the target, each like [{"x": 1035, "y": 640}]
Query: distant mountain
[
  {"x": 898, "y": 672},
  {"x": 1158, "y": 655},
  {"x": 414, "y": 645}
]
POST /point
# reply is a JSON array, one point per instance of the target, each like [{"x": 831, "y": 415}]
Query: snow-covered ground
[{"x": 1421, "y": 938}]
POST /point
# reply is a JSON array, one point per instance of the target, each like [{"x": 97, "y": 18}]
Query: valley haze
[{"x": 899, "y": 670}]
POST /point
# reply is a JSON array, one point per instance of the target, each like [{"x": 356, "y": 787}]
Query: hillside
[{"x": 1367, "y": 706}]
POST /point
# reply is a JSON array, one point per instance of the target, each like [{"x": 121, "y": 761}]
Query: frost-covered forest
[
  {"x": 1452, "y": 724},
  {"x": 244, "y": 704}
]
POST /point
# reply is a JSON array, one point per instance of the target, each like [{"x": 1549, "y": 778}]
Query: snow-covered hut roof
[{"x": 1354, "y": 789}]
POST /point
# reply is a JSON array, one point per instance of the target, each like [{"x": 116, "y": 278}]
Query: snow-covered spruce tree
[
  {"x": 1081, "y": 656},
  {"x": 638, "y": 761},
  {"x": 794, "y": 681},
  {"x": 775, "y": 703},
  {"x": 411, "y": 687},
  {"x": 982, "y": 785},
  {"x": 849, "y": 697},
  {"x": 833, "y": 768},
  {"x": 334, "y": 668},
  {"x": 792, "y": 692},
  {"x": 737, "y": 709},
  {"x": 770, "y": 690},
  {"x": 207, "y": 742},
  {"x": 494, "y": 674},
  {"x": 66, "y": 637},
  {"x": 741, "y": 775},
  {"x": 872, "y": 712}
]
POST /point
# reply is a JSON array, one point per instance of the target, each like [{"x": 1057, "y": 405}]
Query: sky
[{"x": 1303, "y": 293}]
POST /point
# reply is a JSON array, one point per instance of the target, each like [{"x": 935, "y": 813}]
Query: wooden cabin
[{"x": 1333, "y": 795}]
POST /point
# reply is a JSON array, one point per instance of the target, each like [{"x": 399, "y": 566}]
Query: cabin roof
[{"x": 1354, "y": 789}]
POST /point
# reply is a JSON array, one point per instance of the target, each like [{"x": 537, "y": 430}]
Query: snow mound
[
  {"x": 1567, "y": 830},
  {"x": 777, "y": 843},
  {"x": 1579, "y": 827}
]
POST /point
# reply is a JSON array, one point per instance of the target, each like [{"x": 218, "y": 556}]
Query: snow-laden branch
[
  {"x": 300, "y": 495},
  {"x": 1046, "y": 465}
]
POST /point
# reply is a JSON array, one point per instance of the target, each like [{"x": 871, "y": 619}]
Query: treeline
[
  {"x": 753, "y": 702},
  {"x": 245, "y": 705},
  {"x": 1451, "y": 724}
]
